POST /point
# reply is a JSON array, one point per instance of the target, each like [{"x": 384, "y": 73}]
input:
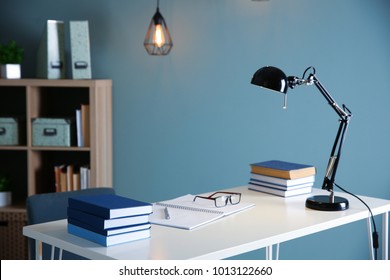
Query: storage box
[
  {"x": 13, "y": 245},
  {"x": 9, "y": 131},
  {"x": 51, "y": 132}
]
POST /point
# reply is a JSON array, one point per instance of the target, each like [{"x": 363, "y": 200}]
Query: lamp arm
[
  {"x": 345, "y": 115},
  {"x": 335, "y": 156}
]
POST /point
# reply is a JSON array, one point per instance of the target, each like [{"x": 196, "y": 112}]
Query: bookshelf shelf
[
  {"x": 72, "y": 149},
  {"x": 31, "y": 168}
]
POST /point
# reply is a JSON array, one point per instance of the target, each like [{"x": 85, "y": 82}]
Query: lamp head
[{"x": 272, "y": 78}]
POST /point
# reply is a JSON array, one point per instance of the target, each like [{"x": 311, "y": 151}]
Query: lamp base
[{"x": 327, "y": 203}]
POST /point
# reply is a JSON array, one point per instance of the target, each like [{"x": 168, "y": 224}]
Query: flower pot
[
  {"x": 5, "y": 198},
  {"x": 10, "y": 71}
]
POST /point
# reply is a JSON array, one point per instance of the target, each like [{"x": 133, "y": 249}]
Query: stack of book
[
  {"x": 108, "y": 219},
  {"x": 282, "y": 178}
]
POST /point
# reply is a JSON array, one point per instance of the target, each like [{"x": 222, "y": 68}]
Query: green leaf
[{"x": 11, "y": 53}]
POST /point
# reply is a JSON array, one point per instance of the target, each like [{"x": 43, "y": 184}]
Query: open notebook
[{"x": 184, "y": 213}]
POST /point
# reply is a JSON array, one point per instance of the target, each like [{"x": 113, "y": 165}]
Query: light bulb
[{"x": 159, "y": 38}]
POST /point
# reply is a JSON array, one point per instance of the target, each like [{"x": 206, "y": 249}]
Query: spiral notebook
[{"x": 184, "y": 213}]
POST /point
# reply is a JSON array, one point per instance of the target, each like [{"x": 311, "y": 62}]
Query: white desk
[{"x": 272, "y": 221}]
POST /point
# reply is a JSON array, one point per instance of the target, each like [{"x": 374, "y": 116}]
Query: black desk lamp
[{"x": 274, "y": 79}]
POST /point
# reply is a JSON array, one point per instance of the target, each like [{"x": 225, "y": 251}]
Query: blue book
[
  {"x": 283, "y": 169},
  {"x": 108, "y": 240},
  {"x": 102, "y": 223},
  {"x": 109, "y": 231},
  {"x": 110, "y": 206}
]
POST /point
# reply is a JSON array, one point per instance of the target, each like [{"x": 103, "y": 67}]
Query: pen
[{"x": 167, "y": 217}]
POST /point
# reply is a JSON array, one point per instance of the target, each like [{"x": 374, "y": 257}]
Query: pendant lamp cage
[{"x": 158, "y": 40}]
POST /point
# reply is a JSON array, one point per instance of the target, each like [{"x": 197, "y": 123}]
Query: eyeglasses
[{"x": 221, "y": 199}]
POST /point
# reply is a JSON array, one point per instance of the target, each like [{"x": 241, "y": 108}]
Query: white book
[
  {"x": 78, "y": 129},
  {"x": 280, "y": 187},
  {"x": 281, "y": 181},
  {"x": 84, "y": 177},
  {"x": 282, "y": 193}
]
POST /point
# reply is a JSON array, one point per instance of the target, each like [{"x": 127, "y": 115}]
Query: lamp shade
[
  {"x": 158, "y": 41},
  {"x": 271, "y": 78}
]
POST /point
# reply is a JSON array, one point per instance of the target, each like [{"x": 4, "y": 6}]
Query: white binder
[
  {"x": 51, "y": 53},
  {"x": 80, "y": 50}
]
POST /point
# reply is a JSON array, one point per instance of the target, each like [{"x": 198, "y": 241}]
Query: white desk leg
[
  {"x": 38, "y": 250},
  {"x": 269, "y": 252},
  {"x": 385, "y": 236},
  {"x": 277, "y": 251},
  {"x": 53, "y": 250},
  {"x": 370, "y": 238}
]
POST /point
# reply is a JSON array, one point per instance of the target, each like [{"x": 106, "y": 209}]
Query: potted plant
[
  {"x": 11, "y": 56},
  {"x": 5, "y": 190}
]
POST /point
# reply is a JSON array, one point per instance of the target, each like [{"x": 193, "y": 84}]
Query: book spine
[
  {"x": 85, "y": 125},
  {"x": 84, "y": 233},
  {"x": 280, "y": 187},
  {"x": 93, "y": 220},
  {"x": 109, "y": 231},
  {"x": 89, "y": 208},
  {"x": 78, "y": 129},
  {"x": 108, "y": 240},
  {"x": 286, "y": 193},
  {"x": 67, "y": 178},
  {"x": 283, "y": 174}
]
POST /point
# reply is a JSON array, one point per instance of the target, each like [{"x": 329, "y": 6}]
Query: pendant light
[{"x": 158, "y": 41}]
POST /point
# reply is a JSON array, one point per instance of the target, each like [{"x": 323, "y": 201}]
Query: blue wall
[{"x": 191, "y": 122}]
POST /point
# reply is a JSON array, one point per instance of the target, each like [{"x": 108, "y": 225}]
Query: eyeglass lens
[{"x": 223, "y": 200}]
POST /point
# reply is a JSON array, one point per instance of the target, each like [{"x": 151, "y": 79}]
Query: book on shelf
[
  {"x": 78, "y": 128},
  {"x": 109, "y": 231},
  {"x": 76, "y": 181},
  {"x": 103, "y": 223},
  {"x": 85, "y": 175},
  {"x": 69, "y": 178},
  {"x": 63, "y": 178},
  {"x": 110, "y": 206},
  {"x": 279, "y": 192},
  {"x": 185, "y": 213},
  {"x": 57, "y": 178},
  {"x": 83, "y": 126},
  {"x": 108, "y": 240},
  {"x": 286, "y": 183},
  {"x": 283, "y": 169}
]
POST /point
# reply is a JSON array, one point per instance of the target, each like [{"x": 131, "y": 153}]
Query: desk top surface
[{"x": 273, "y": 220}]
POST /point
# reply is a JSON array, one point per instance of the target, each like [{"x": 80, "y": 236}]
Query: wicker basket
[{"x": 13, "y": 245}]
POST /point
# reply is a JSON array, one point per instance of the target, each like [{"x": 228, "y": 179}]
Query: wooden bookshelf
[{"x": 31, "y": 168}]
